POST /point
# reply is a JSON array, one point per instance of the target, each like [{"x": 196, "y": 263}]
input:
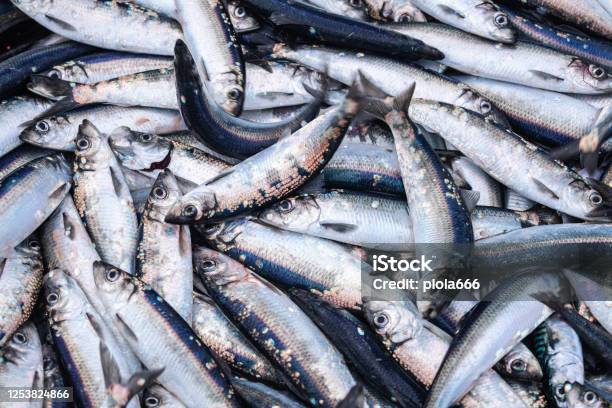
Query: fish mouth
[{"x": 31, "y": 137}]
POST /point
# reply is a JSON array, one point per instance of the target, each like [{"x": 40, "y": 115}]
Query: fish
[
  {"x": 560, "y": 352},
  {"x": 520, "y": 363},
  {"x": 353, "y": 9},
  {"x": 531, "y": 393},
  {"x": 524, "y": 63},
  {"x": 165, "y": 7},
  {"x": 489, "y": 190},
  {"x": 482, "y": 18},
  {"x": 390, "y": 75},
  {"x": 103, "y": 199},
  {"x": 157, "y": 396},
  {"x": 234, "y": 137},
  {"x": 399, "y": 11},
  {"x": 279, "y": 328},
  {"x": 582, "y": 396},
  {"x": 28, "y": 196},
  {"x": 315, "y": 24},
  {"x": 538, "y": 177},
  {"x": 598, "y": 101},
  {"x": 285, "y": 257},
  {"x": 593, "y": 293},
  {"x": 242, "y": 19},
  {"x": 218, "y": 59},
  {"x": 491, "y": 221},
  {"x": 163, "y": 258},
  {"x": 52, "y": 374},
  {"x": 259, "y": 395},
  {"x": 14, "y": 112},
  {"x": 272, "y": 173},
  {"x": 59, "y": 131},
  {"x": 226, "y": 341},
  {"x": 19, "y": 157},
  {"x": 20, "y": 282},
  {"x": 128, "y": 23},
  {"x": 163, "y": 339}
]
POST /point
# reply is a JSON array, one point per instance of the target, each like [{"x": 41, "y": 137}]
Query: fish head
[
  {"x": 33, "y": 7},
  {"x": 294, "y": 213},
  {"x": 242, "y": 19},
  {"x": 164, "y": 193},
  {"x": 224, "y": 233},
  {"x": 589, "y": 77},
  {"x": 394, "y": 321},
  {"x": 48, "y": 132},
  {"x": 586, "y": 202},
  {"x": 92, "y": 149},
  {"x": 23, "y": 348},
  {"x": 399, "y": 11},
  {"x": 487, "y": 18},
  {"x": 216, "y": 268},
  {"x": 114, "y": 285},
  {"x": 584, "y": 396},
  {"x": 138, "y": 151},
  {"x": 63, "y": 297},
  {"x": 70, "y": 71},
  {"x": 195, "y": 206},
  {"x": 29, "y": 248},
  {"x": 520, "y": 363},
  {"x": 228, "y": 92},
  {"x": 473, "y": 101}
]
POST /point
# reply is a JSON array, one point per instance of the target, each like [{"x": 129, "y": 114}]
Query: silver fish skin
[
  {"x": 354, "y": 9},
  {"x": 593, "y": 294},
  {"x": 19, "y": 157},
  {"x": 259, "y": 395},
  {"x": 103, "y": 199},
  {"x": 226, "y": 341},
  {"x": 357, "y": 219},
  {"x": 14, "y": 113},
  {"x": 166, "y": 7},
  {"x": 52, "y": 374},
  {"x": 421, "y": 352},
  {"x": 28, "y": 196},
  {"x": 489, "y": 190},
  {"x": 391, "y": 76},
  {"x": 491, "y": 221},
  {"x": 148, "y": 153},
  {"x": 560, "y": 351},
  {"x": 20, "y": 282},
  {"x": 490, "y": 332},
  {"x": 531, "y": 393},
  {"x": 106, "y": 24},
  {"x": 286, "y": 257},
  {"x": 597, "y": 101},
  {"x": 21, "y": 363},
  {"x": 58, "y": 132},
  {"x": 214, "y": 45},
  {"x": 520, "y": 63},
  {"x": 559, "y": 120},
  {"x": 163, "y": 260},
  {"x": 581, "y": 396},
  {"x": 72, "y": 318},
  {"x": 399, "y": 11},
  {"x": 279, "y": 328},
  {"x": 157, "y": 396},
  {"x": 271, "y": 174},
  {"x": 538, "y": 177},
  {"x": 242, "y": 19},
  {"x": 483, "y": 19},
  {"x": 161, "y": 338},
  {"x": 106, "y": 65}
]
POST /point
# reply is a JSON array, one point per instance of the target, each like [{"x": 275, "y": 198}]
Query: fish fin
[
  {"x": 544, "y": 189},
  {"x": 470, "y": 198},
  {"x": 2, "y": 265},
  {"x": 436, "y": 330},
  {"x": 38, "y": 380},
  {"x": 117, "y": 184},
  {"x": 341, "y": 227},
  {"x": 59, "y": 192},
  {"x": 121, "y": 394},
  {"x": 219, "y": 176},
  {"x": 69, "y": 228},
  {"x": 516, "y": 202},
  {"x": 545, "y": 75},
  {"x": 59, "y": 107},
  {"x": 314, "y": 185},
  {"x": 64, "y": 25},
  {"x": 279, "y": 18},
  {"x": 109, "y": 366},
  {"x": 50, "y": 88},
  {"x": 319, "y": 94},
  {"x": 362, "y": 85},
  {"x": 125, "y": 330},
  {"x": 567, "y": 151},
  {"x": 205, "y": 72},
  {"x": 355, "y": 397},
  {"x": 452, "y": 11},
  {"x": 571, "y": 30},
  {"x": 402, "y": 101},
  {"x": 95, "y": 324},
  {"x": 262, "y": 63}
]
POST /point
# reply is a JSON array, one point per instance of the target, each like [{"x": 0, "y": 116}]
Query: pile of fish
[{"x": 189, "y": 191}]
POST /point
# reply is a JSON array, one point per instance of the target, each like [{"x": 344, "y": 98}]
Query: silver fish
[
  {"x": 19, "y": 157},
  {"x": 20, "y": 282},
  {"x": 580, "y": 396},
  {"x": 260, "y": 395},
  {"x": 106, "y": 24},
  {"x": 520, "y": 363},
  {"x": 28, "y": 196},
  {"x": 593, "y": 294},
  {"x": 166, "y": 7},
  {"x": 14, "y": 113},
  {"x": 242, "y": 19},
  {"x": 489, "y": 190},
  {"x": 58, "y": 132},
  {"x": 157, "y": 396},
  {"x": 103, "y": 199},
  {"x": 399, "y": 11},
  {"x": 163, "y": 260},
  {"x": 354, "y": 9}
]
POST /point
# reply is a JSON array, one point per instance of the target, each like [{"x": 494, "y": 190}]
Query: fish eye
[
  {"x": 42, "y": 126},
  {"x": 54, "y": 73},
  {"x": 596, "y": 199},
  {"x": 151, "y": 401},
  {"x": 208, "y": 265},
  {"x": 589, "y": 397},
  {"x": 146, "y": 137},
  {"x": 404, "y": 18},
  {"x": 485, "y": 107},
  {"x": 356, "y": 3},
  {"x": 285, "y": 206},
  {"x": 560, "y": 391},
  {"x": 82, "y": 143},
  {"x": 597, "y": 72},
  {"x": 34, "y": 244},
  {"x": 233, "y": 94},
  {"x": 518, "y": 365},
  {"x": 112, "y": 275},
  {"x": 190, "y": 210},
  {"x": 239, "y": 12},
  {"x": 381, "y": 320},
  {"x": 20, "y": 338},
  {"x": 160, "y": 192},
  {"x": 501, "y": 20},
  {"x": 52, "y": 298}
]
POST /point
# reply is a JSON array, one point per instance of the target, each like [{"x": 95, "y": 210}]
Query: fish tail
[{"x": 375, "y": 101}]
